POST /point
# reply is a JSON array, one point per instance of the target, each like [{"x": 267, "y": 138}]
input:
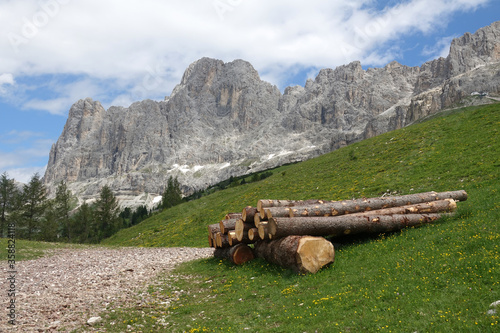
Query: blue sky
[{"x": 55, "y": 52}]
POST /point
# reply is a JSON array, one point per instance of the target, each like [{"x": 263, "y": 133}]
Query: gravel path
[{"x": 60, "y": 292}]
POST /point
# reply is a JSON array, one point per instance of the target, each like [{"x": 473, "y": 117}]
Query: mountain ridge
[{"x": 222, "y": 120}]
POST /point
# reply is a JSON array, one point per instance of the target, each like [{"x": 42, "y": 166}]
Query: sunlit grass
[
  {"x": 27, "y": 250},
  {"x": 437, "y": 278}
]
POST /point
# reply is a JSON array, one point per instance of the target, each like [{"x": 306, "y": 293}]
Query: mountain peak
[{"x": 222, "y": 120}]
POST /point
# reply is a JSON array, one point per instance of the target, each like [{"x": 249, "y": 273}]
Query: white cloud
[
  {"x": 440, "y": 49},
  {"x": 16, "y": 137},
  {"x": 24, "y": 175},
  {"x": 6, "y": 78},
  {"x": 119, "y": 52},
  {"x": 117, "y": 45},
  {"x": 33, "y": 153}
]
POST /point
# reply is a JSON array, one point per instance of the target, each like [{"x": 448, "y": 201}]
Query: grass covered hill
[
  {"x": 437, "y": 278},
  {"x": 450, "y": 152}
]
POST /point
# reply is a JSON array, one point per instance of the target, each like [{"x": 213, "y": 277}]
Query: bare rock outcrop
[{"x": 222, "y": 120}]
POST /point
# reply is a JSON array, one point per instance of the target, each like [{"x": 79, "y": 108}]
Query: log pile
[{"x": 292, "y": 233}]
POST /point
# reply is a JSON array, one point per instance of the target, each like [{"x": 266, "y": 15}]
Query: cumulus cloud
[
  {"x": 440, "y": 49},
  {"x": 55, "y": 52},
  {"x": 16, "y": 137},
  {"x": 23, "y": 175},
  {"x": 6, "y": 79},
  {"x": 28, "y": 148},
  {"x": 122, "y": 42}
]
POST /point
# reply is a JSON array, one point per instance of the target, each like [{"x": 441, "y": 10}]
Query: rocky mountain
[{"x": 222, "y": 120}]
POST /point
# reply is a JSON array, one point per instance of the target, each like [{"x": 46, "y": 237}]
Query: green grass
[
  {"x": 28, "y": 250},
  {"x": 437, "y": 278}
]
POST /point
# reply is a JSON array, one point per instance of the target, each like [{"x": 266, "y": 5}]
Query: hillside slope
[
  {"x": 457, "y": 151},
  {"x": 442, "y": 277}
]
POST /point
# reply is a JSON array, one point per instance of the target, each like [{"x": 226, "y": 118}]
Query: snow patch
[
  {"x": 184, "y": 168},
  {"x": 284, "y": 153},
  {"x": 157, "y": 199},
  {"x": 225, "y": 165},
  {"x": 270, "y": 156},
  {"x": 307, "y": 148}
]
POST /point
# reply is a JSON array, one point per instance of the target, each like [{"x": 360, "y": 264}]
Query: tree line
[{"x": 37, "y": 217}]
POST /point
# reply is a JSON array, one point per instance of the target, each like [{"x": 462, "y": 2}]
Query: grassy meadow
[
  {"x": 436, "y": 278},
  {"x": 29, "y": 250}
]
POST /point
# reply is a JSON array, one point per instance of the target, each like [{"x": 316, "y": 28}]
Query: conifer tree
[
  {"x": 106, "y": 216},
  {"x": 49, "y": 227},
  {"x": 8, "y": 192},
  {"x": 172, "y": 195},
  {"x": 34, "y": 202},
  {"x": 62, "y": 208},
  {"x": 83, "y": 222}
]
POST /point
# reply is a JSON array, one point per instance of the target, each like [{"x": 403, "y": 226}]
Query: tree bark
[
  {"x": 276, "y": 212},
  {"x": 302, "y": 254},
  {"x": 221, "y": 240},
  {"x": 213, "y": 229},
  {"x": 248, "y": 214},
  {"x": 360, "y": 205},
  {"x": 233, "y": 240},
  {"x": 237, "y": 254},
  {"x": 346, "y": 224},
  {"x": 230, "y": 216},
  {"x": 287, "y": 203},
  {"x": 439, "y": 206},
  {"x": 227, "y": 225}
]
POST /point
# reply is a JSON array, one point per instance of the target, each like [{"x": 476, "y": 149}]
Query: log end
[
  {"x": 313, "y": 253},
  {"x": 256, "y": 220},
  {"x": 253, "y": 234},
  {"x": 263, "y": 230},
  {"x": 242, "y": 254},
  {"x": 452, "y": 205}
]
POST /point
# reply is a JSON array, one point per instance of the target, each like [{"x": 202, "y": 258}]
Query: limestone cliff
[{"x": 222, "y": 120}]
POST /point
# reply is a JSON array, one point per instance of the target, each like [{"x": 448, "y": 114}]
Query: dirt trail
[{"x": 61, "y": 292}]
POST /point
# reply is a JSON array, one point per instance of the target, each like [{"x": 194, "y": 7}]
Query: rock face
[{"x": 222, "y": 120}]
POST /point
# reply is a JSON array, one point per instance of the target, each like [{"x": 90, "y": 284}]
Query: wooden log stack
[{"x": 292, "y": 233}]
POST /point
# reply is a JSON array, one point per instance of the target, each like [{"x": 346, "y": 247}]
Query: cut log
[
  {"x": 241, "y": 228},
  {"x": 226, "y": 225},
  {"x": 213, "y": 229},
  {"x": 248, "y": 214},
  {"x": 253, "y": 234},
  {"x": 230, "y": 216},
  {"x": 302, "y": 254},
  {"x": 360, "y": 205},
  {"x": 264, "y": 231},
  {"x": 276, "y": 212},
  {"x": 237, "y": 254},
  {"x": 233, "y": 240},
  {"x": 221, "y": 240},
  {"x": 440, "y": 206},
  {"x": 287, "y": 203},
  {"x": 346, "y": 224},
  {"x": 256, "y": 220}
]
